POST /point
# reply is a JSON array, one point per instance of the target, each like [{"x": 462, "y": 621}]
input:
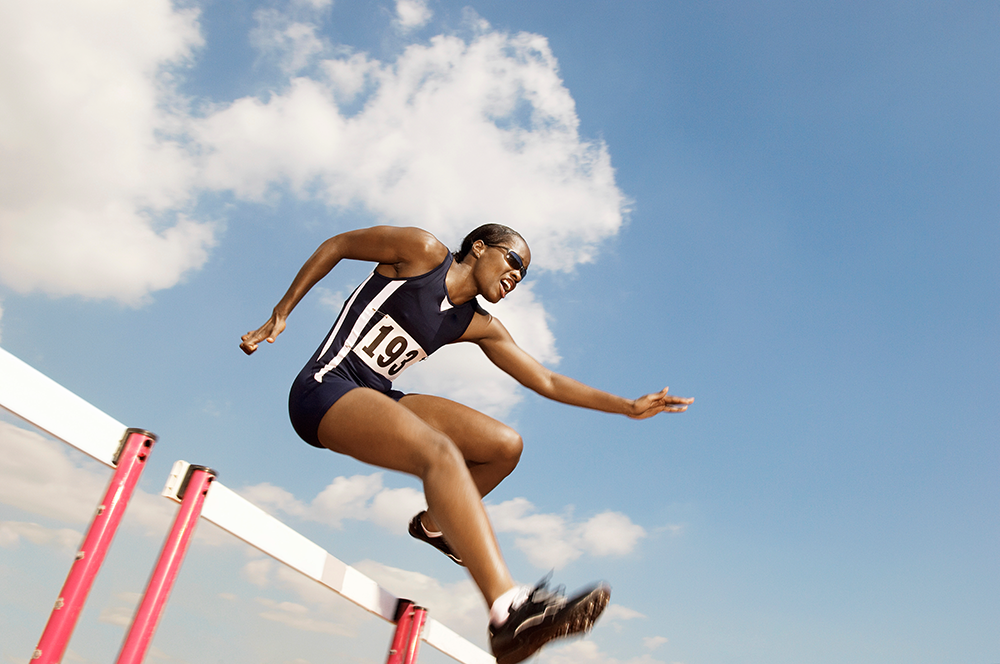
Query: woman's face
[{"x": 499, "y": 266}]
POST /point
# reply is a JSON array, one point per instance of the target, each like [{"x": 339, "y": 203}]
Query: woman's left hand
[{"x": 661, "y": 402}]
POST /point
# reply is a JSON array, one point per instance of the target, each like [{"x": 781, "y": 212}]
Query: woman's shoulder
[
  {"x": 418, "y": 251},
  {"x": 484, "y": 326},
  {"x": 428, "y": 245}
]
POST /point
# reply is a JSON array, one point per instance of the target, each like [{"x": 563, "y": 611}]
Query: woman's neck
[{"x": 459, "y": 283}]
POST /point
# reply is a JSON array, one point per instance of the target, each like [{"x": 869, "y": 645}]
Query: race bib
[{"x": 387, "y": 349}]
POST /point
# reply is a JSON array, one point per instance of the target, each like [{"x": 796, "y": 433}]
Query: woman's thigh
[
  {"x": 373, "y": 428},
  {"x": 480, "y": 438}
]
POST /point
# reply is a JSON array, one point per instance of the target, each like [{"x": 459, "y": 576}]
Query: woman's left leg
[{"x": 490, "y": 447}]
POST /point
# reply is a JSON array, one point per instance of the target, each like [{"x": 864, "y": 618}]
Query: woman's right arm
[
  {"x": 318, "y": 266},
  {"x": 403, "y": 251}
]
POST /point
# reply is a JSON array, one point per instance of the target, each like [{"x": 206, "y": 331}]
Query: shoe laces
[{"x": 542, "y": 594}]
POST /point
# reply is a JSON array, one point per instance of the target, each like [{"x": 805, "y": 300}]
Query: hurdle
[
  {"x": 52, "y": 408},
  {"x": 35, "y": 398}
]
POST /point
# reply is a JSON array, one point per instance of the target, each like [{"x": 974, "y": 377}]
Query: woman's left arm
[{"x": 496, "y": 342}]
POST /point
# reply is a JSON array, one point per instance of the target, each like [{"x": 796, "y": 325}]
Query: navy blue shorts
[{"x": 308, "y": 401}]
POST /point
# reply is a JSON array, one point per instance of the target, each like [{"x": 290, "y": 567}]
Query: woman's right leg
[{"x": 373, "y": 428}]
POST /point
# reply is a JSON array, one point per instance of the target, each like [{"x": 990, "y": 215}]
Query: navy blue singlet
[{"x": 385, "y": 327}]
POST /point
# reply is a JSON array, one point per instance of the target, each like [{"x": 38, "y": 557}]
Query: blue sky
[{"x": 788, "y": 211}]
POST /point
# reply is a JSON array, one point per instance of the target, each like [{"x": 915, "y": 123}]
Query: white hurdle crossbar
[
  {"x": 241, "y": 518},
  {"x": 38, "y": 399}
]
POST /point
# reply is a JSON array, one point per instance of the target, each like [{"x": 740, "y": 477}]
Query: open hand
[{"x": 660, "y": 402}]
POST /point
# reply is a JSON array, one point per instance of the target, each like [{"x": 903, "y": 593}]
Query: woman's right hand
[{"x": 270, "y": 330}]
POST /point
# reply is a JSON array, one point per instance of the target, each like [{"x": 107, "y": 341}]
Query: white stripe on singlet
[{"x": 359, "y": 325}]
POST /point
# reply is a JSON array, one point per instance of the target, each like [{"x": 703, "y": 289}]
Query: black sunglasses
[{"x": 513, "y": 259}]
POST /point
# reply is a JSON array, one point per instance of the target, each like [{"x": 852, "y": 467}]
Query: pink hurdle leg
[
  {"x": 416, "y": 627},
  {"x": 128, "y": 467},
  {"x": 192, "y": 495},
  {"x": 410, "y": 621},
  {"x": 404, "y": 616}
]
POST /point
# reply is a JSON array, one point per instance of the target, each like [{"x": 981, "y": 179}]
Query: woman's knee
[
  {"x": 442, "y": 453},
  {"x": 509, "y": 447}
]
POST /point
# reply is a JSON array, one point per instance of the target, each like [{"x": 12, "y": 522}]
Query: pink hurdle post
[
  {"x": 410, "y": 621},
  {"x": 416, "y": 627},
  {"x": 404, "y": 616},
  {"x": 128, "y": 467},
  {"x": 192, "y": 494}
]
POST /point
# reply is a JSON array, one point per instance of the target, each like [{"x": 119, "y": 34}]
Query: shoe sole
[{"x": 580, "y": 620}]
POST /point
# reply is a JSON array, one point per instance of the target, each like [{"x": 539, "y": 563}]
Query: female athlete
[{"x": 418, "y": 298}]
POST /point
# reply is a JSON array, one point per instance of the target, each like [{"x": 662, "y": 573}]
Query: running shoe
[
  {"x": 418, "y": 531},
  {"x": 544, "y": 616}
]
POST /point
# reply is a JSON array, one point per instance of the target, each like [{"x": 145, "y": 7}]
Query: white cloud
[
  {"x": 349, "y": 76},
  {"x": 328, "y": 299},
  {"x": 299, "y": 617},
  {"x": 554, "y": 541},
  {"x": 549, "y": 540},
  {"x": 360, "y": 497},
  {"x": 654, "y": 642},
  {"x": 451, "y": 135},
  {"x": 412, "y": 14},
  {"x": 294, "y": 45},
  {"x": 393, "y": 508},
  {"x": 672, "y": 529},
  {"x": 610, "y": 534},
  {"x": 70, "y": 656},
  {"x": 345, "y": 498},
  {"x": 259, "y": 571},
  {"x": 314, "y": 4},
  {"x": 45, "y": 477},
  {"x": 38, "y": 476},
  {"x": 325, "y": 611},
  {"x": 101, "y": 160},
  {"x": 12, "y": 532},
  {"x": 617, "y": 612},
  {"x": 585, "y": 652},
  {"x": 120, "y": 614},
  {"x": 159, "y": 655},
  {"x": 93, "y": 179},
  {"x": 546, "y": 539},
  {"x": 273, "y": 498}
]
